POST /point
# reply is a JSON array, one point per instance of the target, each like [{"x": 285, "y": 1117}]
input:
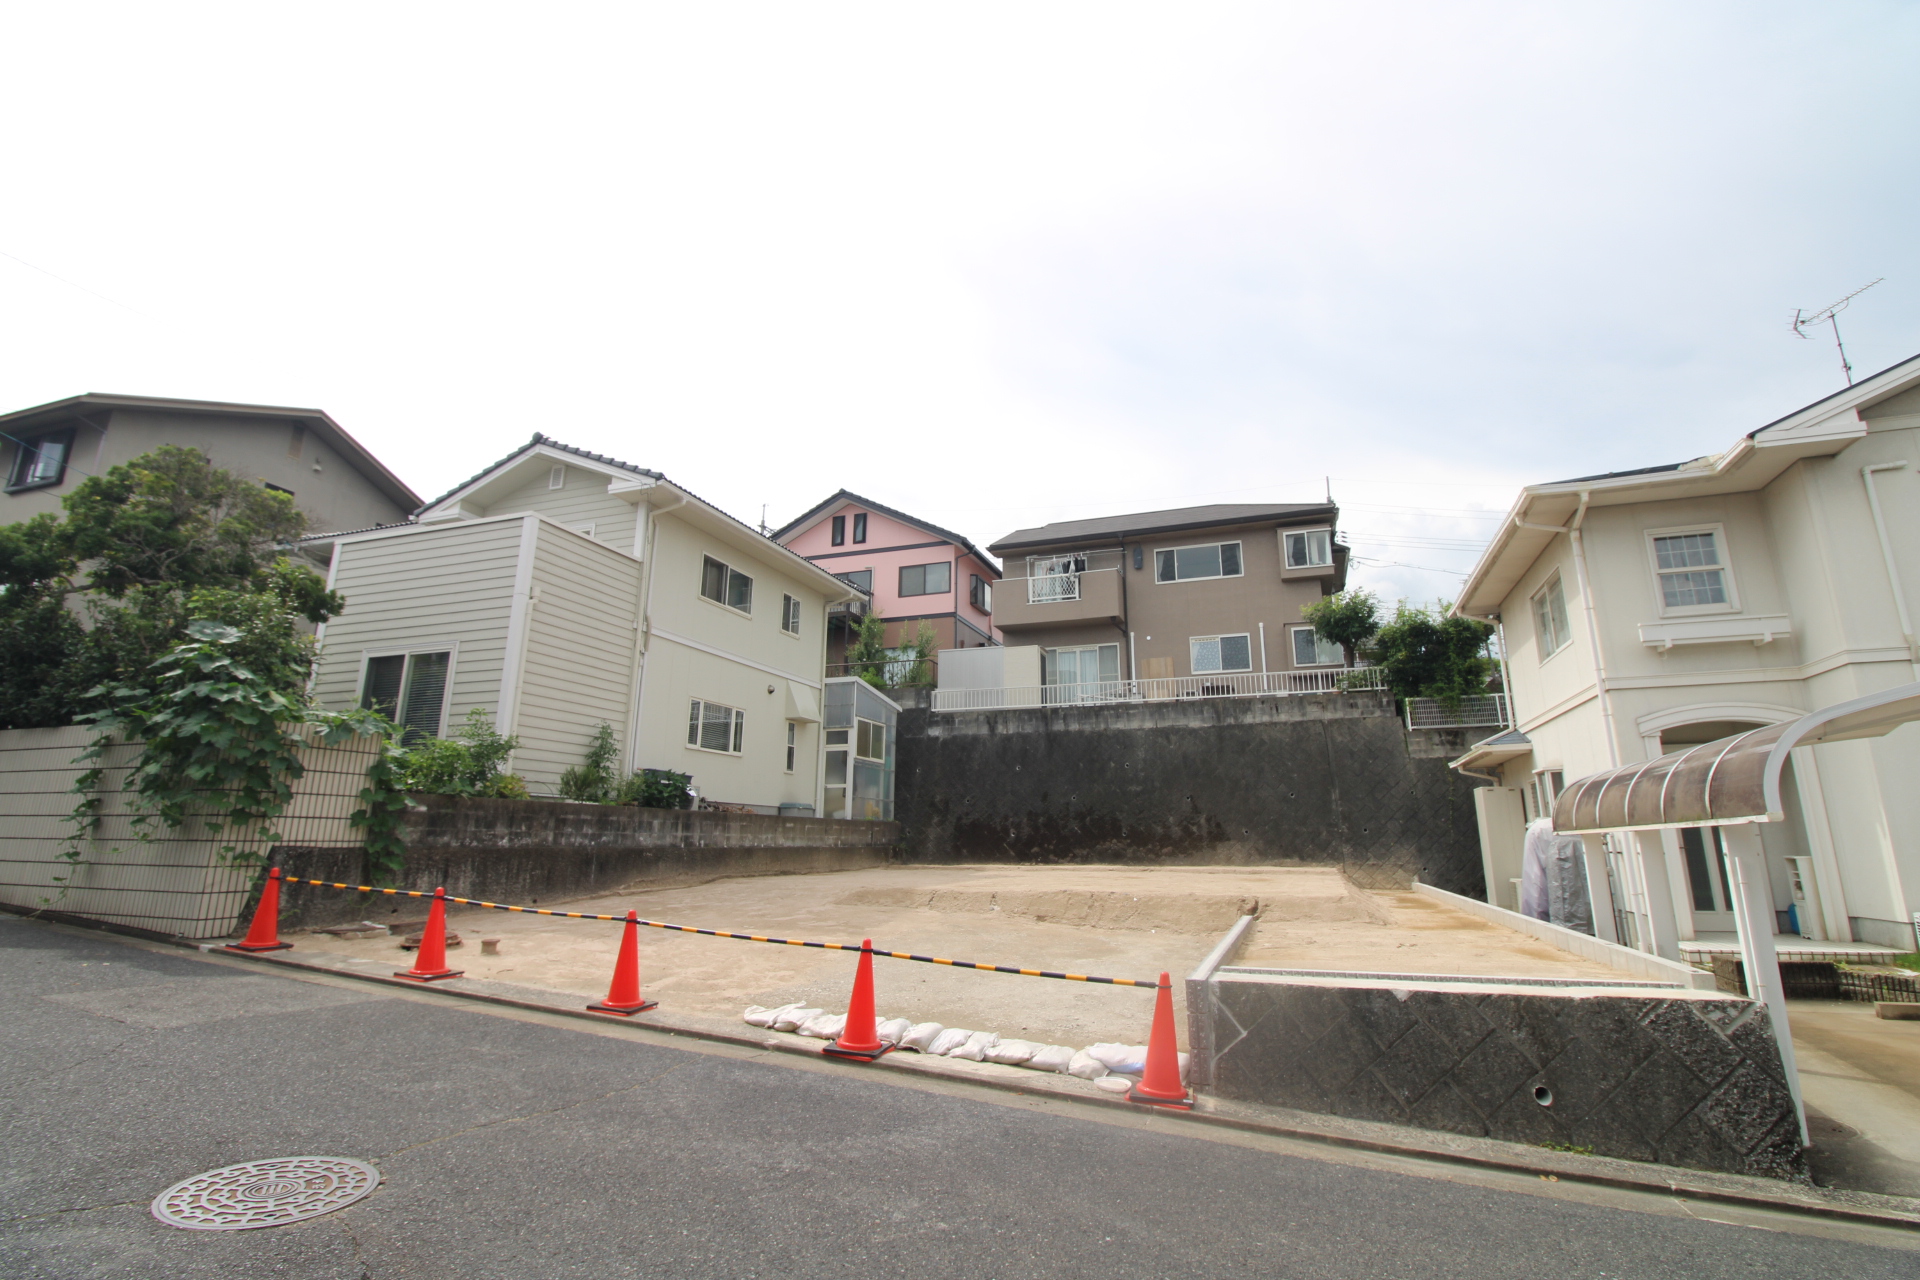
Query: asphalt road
[{"x": 521, "y": 1146}]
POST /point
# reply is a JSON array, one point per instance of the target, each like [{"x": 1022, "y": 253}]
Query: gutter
[{"x": 1572, "y": 530}]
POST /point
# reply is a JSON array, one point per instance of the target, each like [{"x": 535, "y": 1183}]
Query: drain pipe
[
  {"x": 1886, "y": 554},
  {"x": 1572, "y": 530}
]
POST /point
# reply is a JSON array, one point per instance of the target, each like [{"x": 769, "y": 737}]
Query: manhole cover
[{"x": 264, "y": 1193}]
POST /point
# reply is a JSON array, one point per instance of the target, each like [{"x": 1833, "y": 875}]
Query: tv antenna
[{"x": 1802, "y": 322}]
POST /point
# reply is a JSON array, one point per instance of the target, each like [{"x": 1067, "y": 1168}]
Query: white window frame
[
  {"x": 1293, "y": 649},
  {"x": 1534, "y": 601},
  {"x": 789, "y": 615},
  {"x": 1190, "y": 546},
  {"x": 736, "y": 735},
  {"x": 793, "y": 743},
  {"x": 449, "y": 647},
  {"x": 1719, "y": 532},
  {"x": 726, "y": 585},
  {"x": 1286, "y": 560},
  {"x": 879, "y": 730},
  {"x": 1220, "y": 671}
]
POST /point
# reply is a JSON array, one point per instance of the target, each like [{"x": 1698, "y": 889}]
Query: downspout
[
  {"x": 1886, "y": 555},
  {"x": 643, "y": 625},
  {"x": 1506, "y": 672},
  {"x": 1572, "y": 530}
]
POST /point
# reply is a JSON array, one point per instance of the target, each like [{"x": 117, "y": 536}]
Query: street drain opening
[
  {"x": 1543, "y": 1095},
  {"x": 264, "y": 1193}
]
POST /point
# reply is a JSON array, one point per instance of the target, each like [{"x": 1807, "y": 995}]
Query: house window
[
  {"x": 712, "y": 727},
  {"x": 1691, "y": 566},
  {"x": 410, "y": 689},
  {"x": 1211, "y": 560},
  {"x": 1309, "y": 548},
  {"x": 1093, "y": 664},
  {"x": 869, "y": 740},
  {"x": 926, "y": 579},
  {"x": 790, "y": 615},
  {"x": 793, "y": 744},
  {"x": 860, "y": 527},
  {"x": 296, "y": 440},
  {"x": 276, "y": 488},
  {"x": 41, "y": 460},
  {"x": 556, "y": 477},
  {"x": 980, "y": 593},
  {"x": 1550, "y": 618},
  {"x": 1220, "y": 653},
  {"x": 1311, "y": 649},
  {"x": 839, "y": 531},
  {"x": 861, "y": 578},
  {"x": 726, "y": 585}
]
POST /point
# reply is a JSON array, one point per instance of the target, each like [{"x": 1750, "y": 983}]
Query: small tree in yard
[
  {"x": 867, "y": 655},
  {"x": 1349, "y": 619},
  {"x": 1432, "y": 654}
]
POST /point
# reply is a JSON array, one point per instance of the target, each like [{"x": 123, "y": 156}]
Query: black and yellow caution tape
[{"x": 728, "y": 933}]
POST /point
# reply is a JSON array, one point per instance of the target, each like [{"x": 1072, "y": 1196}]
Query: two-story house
[
  {"x": 1208, "y": 596},
  {"x": 559, "y": 590},
  {"x": 1646, "y": 610},
  {"x": 912, "y": 571},
  {"x": 46, "y": 450}
]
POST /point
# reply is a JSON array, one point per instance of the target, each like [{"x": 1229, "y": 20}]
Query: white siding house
[
  {"x": 560, "y": 590},
  {"x": 1643, "y": 611}
]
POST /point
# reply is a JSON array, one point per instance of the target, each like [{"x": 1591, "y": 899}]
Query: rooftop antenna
[
  {"x": 765, "y": 528},
  {"x": 1802, "y": 322}
]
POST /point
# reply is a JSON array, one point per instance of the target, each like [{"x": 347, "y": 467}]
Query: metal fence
[
  {"x": 179, "y": 881},
  {"x": 1238, "y": 684},
  {"x": 1484, "y": 710}
]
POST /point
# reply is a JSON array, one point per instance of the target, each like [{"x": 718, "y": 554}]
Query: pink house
[{"x": 915, "y": 571}]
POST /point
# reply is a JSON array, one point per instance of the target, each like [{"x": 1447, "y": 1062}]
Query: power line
[{"x": 71, "y": 284}]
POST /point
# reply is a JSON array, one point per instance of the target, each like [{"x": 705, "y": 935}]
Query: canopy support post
[
  {"x": 1663, "y": 936},
  {"x": 1599, "y": 894},
  {"x": 1753, "y": 917}
]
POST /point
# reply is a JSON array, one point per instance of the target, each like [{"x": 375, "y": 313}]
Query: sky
[{"x": 994, "y": 265}]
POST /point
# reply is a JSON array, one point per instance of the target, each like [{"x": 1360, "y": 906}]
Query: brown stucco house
[{"x": 1208, "y": 596}]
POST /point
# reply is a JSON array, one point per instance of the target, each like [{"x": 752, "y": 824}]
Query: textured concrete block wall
[
  {"x": 1654, "y": 1075},
  {"x": 1330, "y": 778},
  {"x": 530, "y": 851}
]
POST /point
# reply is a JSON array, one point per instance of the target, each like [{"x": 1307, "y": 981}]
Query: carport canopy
[{"x": 1734, "y": 779}]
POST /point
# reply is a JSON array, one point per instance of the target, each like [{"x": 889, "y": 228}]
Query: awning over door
[{"x": 1735, "y": 779}]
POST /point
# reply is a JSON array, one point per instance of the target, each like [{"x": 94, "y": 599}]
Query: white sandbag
[
  {"x": 975, "y": 1049},
  {"x": 792, "y": 1016},
  {"x": 1012, "y": 1053},
  {"x": 893, "y": 1030},
  {"x": 824, "y": 1026},
  {"x": 1114, "y": 1084},
  {"x": 1051, "y": 1057},
  {"x": 1185, "y": 1058},
  {"x": 1086, "y": 1066},
  {"x": 949, "y": 1040},
  {"x": 920, "y": 1035},
  {"x": 1124, "y": 1059},
  {"x": 759, "y": 1017}
]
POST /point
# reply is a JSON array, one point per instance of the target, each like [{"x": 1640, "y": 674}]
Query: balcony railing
[
  {"x": 1482, "y": 711},
  {"x": 1237, "y": 684},
  {"x": 1053, "y": 587}
]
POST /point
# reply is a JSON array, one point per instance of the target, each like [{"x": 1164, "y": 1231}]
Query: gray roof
[
  {"x": 535, "y": 443},
  {"x": 1174, "y": 521},
  {"x": 848, "y": 495}
]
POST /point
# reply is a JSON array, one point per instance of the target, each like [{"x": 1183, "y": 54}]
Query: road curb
[{"x": 1469, "y": 1152}]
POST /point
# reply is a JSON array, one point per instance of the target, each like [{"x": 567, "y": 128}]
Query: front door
[{"x": 1707, "y": 881}]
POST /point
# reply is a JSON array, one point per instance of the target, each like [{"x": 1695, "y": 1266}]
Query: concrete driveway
[{"x": 513, "y": 1145}]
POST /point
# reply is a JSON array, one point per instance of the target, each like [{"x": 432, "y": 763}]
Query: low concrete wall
[
  {"x": 1656, "y": 1074},
  {"x": 529, "y": 852},
  {"x": 1626, "y": 959},
  {"x": 1318, "y": 779}
]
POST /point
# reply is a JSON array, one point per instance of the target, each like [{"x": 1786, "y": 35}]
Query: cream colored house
[
  {"x": 1646, "y": 610},
  {"x": 560, "y": 589}
]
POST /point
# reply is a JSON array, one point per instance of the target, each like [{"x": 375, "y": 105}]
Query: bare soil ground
[{"x": 1126, "y": 922}]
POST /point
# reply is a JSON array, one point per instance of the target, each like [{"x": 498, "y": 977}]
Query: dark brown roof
[
  {"x": 848, "y": 495},
  {"x": 1177, "y": 520}
]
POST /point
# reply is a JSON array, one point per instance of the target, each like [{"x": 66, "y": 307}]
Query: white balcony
[{"x": 1235, "y": 684}]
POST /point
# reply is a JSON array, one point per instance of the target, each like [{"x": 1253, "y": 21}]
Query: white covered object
[
  {"x": 1012, "y": 1053},
  {"x": 792, "y": 1016},
  {"x": 1123, "y": 1059},
  {"x": 893, "y": 1030},
  {"x": 920, "y": 1035},
  {"x": 1052, "y": 1057},
  {"x": 975, "y": 1049},
  {"x": 1086, "y": 1066},
  {"x": 824, "y": 1026},
  {"x": 949, "y": 1040}
]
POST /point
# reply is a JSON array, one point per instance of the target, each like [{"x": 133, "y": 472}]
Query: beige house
[
  {"x": 1208, "y": 597},
  {"x": 1647, "y": 610},
  {"x": 49, "y": 449},
  {"x": 559, "y": 590}
]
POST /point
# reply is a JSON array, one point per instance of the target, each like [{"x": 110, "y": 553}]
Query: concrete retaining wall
[
  {"x": 528, "y": 852},
  {"x": 1320, "y": 779},
  {"x": 1665, "y": 1075}
]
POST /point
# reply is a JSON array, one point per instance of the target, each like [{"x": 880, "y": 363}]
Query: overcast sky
[{"x": 992, "y": 264}]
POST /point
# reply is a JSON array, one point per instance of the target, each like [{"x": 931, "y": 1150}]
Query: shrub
[
  {"x": 470, "y": 763},
  {"x": 656, "y": 789},
  {"x": 594, "y": 781}
]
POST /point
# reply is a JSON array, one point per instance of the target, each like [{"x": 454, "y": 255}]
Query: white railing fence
[
  {"x": 1236, "y": 684},
  {"x": 1476, "y": 712},
  {"x": 1053, "y": 588}
]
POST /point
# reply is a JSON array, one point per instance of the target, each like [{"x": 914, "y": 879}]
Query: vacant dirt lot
[{"x": 1125, "y": 922}]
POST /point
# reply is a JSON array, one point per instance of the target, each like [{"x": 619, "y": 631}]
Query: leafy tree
[
  {"x": 919, "y": 655},
  {"x": 1349, "y": 619},
  {"x": 93, "y": 599},
  {"x": 1429, "y": 654},
  {"x": 867, "y": 656}
]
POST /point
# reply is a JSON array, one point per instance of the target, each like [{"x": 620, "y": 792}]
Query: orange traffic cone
[
  {"x": 623, "y": 997},
  {"x": 860, "y": 1039},
  {"x": 1162, "y": 1086},
  {"x": 430, "y": 962},
  {"x": 264, "y": 933}
]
